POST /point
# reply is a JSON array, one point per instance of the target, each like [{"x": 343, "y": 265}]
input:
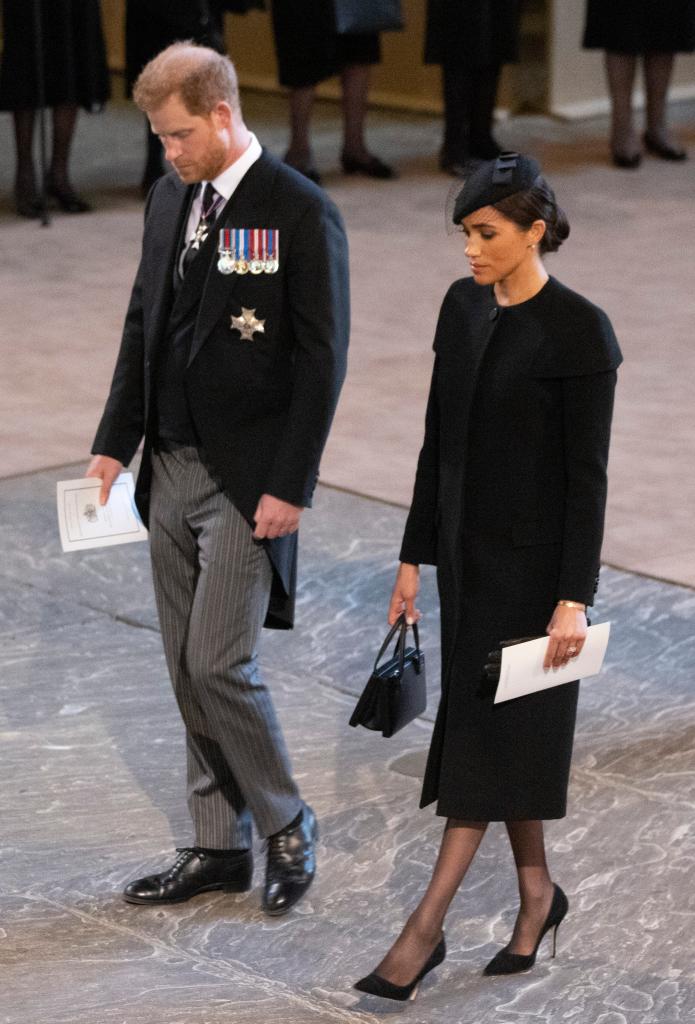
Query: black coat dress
[
  {"x": 309, "y": 49},
  {"x": 640, "y": 26},
  {"x": 508, "y": 504},
  {"x": 74, "y": 56}
]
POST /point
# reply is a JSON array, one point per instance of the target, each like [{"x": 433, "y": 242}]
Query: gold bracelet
[{"x": 573, "y": 604}]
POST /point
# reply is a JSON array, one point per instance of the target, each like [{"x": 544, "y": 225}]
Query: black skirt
[
  {"x": 74, "y": 56},
  {"x": 640, "y": 26},
  {"x": 308, "y": 48}
]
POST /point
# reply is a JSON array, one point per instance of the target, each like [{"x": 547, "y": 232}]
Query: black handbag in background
[
  {"x": 241, "y": 6},
  {"x": 357, "y": 17},
  {"x": 396, "y": 692}
]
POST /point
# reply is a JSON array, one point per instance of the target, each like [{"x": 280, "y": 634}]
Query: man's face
[{"x": 197, "y": 146}]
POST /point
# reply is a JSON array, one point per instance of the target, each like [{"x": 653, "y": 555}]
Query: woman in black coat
[
  {"x": 508, "y": 504},
  {"x": 626, "y": 30},
  {"x": 471, "y": 40},
  {"x": 73, "y": 64}
]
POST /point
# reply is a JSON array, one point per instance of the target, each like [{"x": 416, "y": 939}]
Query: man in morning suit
[{"x": 230, "y": 366}]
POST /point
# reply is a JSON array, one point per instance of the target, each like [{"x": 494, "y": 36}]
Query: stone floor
[
  {"x": 63, "y": 293},
  {"x": 92, "y": 794}
]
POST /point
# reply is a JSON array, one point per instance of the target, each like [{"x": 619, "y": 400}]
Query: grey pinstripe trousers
[{"x": 212, "y": 586}]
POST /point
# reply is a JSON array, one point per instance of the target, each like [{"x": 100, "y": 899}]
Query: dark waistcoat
[{"x": 173, "y": 416}]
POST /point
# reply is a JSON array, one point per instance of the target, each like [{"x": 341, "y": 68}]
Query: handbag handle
[{"x": 401, "y": 624}]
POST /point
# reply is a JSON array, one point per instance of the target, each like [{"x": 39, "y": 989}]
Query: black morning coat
[
  {"x": 513, "y": 526},
  {"x": 261, "y": 408}
]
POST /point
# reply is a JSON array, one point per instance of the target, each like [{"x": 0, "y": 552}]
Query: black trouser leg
[
  {"x": 456, "y": 88},
  {"x": 484, "y": 96}
]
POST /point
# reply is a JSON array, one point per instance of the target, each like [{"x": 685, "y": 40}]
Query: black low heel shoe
[
  {"x": 662, "y": 149},
  {"x": 626, "y": 162},
  {"x": 375, "y": 985},
  {"x": 372, "y": 167},
  {"x": 513, "y": 963}
]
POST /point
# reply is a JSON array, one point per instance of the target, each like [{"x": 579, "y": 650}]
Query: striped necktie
[{"x": 210, "y": 203}]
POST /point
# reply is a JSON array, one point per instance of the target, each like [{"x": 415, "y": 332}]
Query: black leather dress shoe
[
  {"x": 291, "y": 864},
  {"x": 191, "y": 873}
]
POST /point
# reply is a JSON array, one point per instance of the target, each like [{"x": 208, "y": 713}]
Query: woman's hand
[
  {"x": 404, "y": 594},
  {"x": 567, "y": 632}
]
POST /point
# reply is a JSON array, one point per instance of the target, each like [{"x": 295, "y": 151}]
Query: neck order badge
[{"x": 244, "y": 250}]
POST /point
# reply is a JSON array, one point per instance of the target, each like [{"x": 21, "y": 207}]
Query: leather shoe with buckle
[
  {"x": 193, "y": 872},
  {"x": 291, "y": 864}
]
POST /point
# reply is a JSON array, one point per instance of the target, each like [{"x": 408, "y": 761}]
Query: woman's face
[{"x": 496, "y": 247}]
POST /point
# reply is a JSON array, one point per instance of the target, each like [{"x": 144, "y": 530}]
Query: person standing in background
[
  {"x": 626, "y": 30},
  {"x": 75, "y": 75},
  {"x": 308, "y": 51},
  {"x": 151, "y": 25},
  {"x": 471, "y": 40}
]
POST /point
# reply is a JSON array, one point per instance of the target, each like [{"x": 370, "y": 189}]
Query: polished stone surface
[
  {"x": 64, "y": 291},
  {"x": 92, "y": 794}
]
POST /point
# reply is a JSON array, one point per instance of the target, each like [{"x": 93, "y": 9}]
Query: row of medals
[{"x": 230, "y": 263}]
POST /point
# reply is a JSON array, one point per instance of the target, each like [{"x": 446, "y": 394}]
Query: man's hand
[
  {"x": 275, "y": 518},
  {"x": 404, "y": 594},
  {"x": 107, "y": 470}
]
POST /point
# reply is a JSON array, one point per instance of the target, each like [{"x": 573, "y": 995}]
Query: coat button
[{"x": 492, "y": 315}]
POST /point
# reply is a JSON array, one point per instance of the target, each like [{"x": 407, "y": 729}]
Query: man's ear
[{"x": 222, "y": 113}]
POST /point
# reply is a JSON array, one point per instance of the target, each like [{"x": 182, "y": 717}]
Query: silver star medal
[
  {"x": 201, "y": 233},
  {"x": 247, "y": 324}
]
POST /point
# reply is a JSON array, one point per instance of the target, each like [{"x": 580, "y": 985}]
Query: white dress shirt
[{"x": 225, "y": 184}]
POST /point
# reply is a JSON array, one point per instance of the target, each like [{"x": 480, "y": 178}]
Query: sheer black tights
[
  {"x": 459, "y": 846},
  {"x": 64, "y": 120},
  {"x": 621, "y": 69}
]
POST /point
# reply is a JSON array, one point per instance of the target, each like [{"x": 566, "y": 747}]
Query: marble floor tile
[{"x": 93, "y": 783}]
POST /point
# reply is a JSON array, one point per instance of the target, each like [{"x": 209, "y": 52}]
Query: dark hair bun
[
  {"x": 538, "y": 203},
  {"x": 557, "y": 229}
]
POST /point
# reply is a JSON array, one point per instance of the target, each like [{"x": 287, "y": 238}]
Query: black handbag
[
  {"x": 396, "y": 692},
  {"x": 356, "y": 17}
]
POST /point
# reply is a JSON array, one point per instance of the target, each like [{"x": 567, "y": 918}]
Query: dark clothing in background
[
  {"x": 640, "y": 26},
  {"x": 152, "y": 25},
  {"x": 471, "y": 39},
  {"x": 509, "y": 504},
  {"x": 308, "y": 48},
  {"x": 74, "y": 56},
  {"x": 474, "y": 32}
]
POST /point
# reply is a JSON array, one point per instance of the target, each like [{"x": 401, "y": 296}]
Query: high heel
[
  {"x": 513, "y": 963},
  {"x": 68, "y": 200},
  {"x": 28, "y": 204},
  {"x": 375, "y": 985}
]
